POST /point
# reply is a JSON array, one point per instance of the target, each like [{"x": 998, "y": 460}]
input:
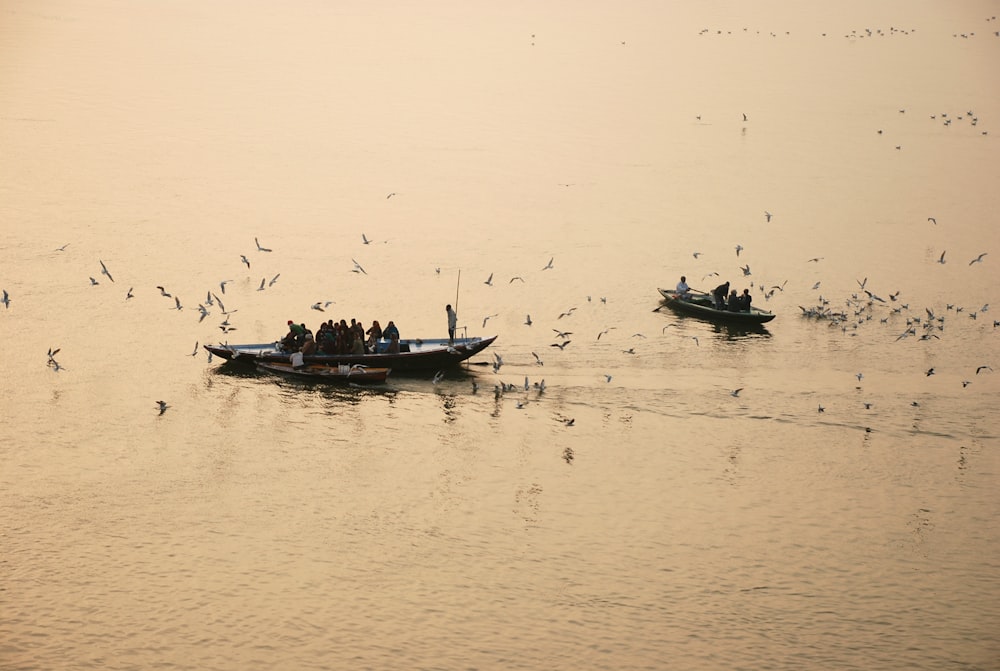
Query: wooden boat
[
  {"x": 316, "y": 372},
  {"x": 432, "y": 354},
  {"x": 702, "y": 306}
]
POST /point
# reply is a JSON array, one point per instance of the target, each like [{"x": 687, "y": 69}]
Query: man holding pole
[{"x": 452, "y": 323}]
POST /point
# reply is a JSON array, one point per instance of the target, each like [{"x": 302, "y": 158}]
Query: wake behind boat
[
  {"x": 701, "y": 306},
  {"x": 417, "y": 354}
]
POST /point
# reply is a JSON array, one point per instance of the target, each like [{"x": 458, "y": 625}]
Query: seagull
[
  {"x": 262, "y": 281},
  {"x": 104, "y": 271},
  {"x": 561, "y": 345},
  {"x": 259, "y": 248},
  {"x": 273, "y": 280},
  {"x": 222, "y": 285},
  {"x": 696, "y": 254},
  {"x": 195, "y": 352},
  {"x": 982, "y": 368},
  {"x": 859, "y": 376},
  {"x": 815, "y": 259},
  {"x": 816, "y": 286},
  {"x": 438, "y": 376},
  {"x": 930, "y": 371},
  {"x": 365, "y": 239},
  {"x": 965, "y": 383},
  {"x": 978, "y": 259},
  {"x": 739, "y": 248},
  {"x": 767, "y": 215},
  {"x": 163, "y": 406},
  {"x": 5, "y": 299},
  {"x": 604, "y": 331},
  {"x": 607, "y": 378},
  {"x": 562, "y": 334},
  {"x": 820, "y": 409},
  {"x": 566, "y": 314},
  {"x": 746, "y": 270},
  {"x": 487, "y": 318},
  {"x": 93, "y": 282},
  {"x": 941, "y": 259},
  {"x": 177, "y": 303},
  {"x": 549, "y": 264},
  {"x": 932, "y": 220},
  {"x": 163, "y": 292},
  {"x": 569, "y": 422},
  {"x": 245, "y": 260},
  {"x": 695, "y": 338},
  {"x": 538, "y": 359},
  {"x": 630, "y": 350},
  {"x": 317, "y": 306},
  {"x": 735, "y": 392},
  {"x": 358, "y": 268},
  {"x": 52, "y": 354},
  {"x": 527, "y": 320},
  {"x": 516, "y": 277},
  {"x": 489, "y": 280},
  {"x": 390, "y": 195},
  {"x": 204, "y": 313},
  {"x": 63, "y": 248}
]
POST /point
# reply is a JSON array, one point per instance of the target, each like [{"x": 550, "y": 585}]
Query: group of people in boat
[
  {"x": 333, "y": 337},
  {"x": 722, "y": 297}
]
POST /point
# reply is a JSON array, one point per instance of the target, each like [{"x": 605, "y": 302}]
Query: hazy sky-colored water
[{"x": 259, "y": 524}]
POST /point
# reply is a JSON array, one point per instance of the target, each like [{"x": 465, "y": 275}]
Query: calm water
[{"x": 261, "y": 524}]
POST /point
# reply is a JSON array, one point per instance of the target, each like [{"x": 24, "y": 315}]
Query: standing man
[{"x": 452, "y": 323}]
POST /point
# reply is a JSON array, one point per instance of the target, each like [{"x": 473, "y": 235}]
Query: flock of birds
[{"x": 862, "y": 308}]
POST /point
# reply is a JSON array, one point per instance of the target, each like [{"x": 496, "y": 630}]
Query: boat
[
  {"x": 318, "y": 372},
  {"x": 415, "y": 355},
  {"x": 702, "y": 306}
]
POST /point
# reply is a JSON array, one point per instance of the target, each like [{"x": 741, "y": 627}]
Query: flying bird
[
  {"x": 487, "y": 318},
  {"x": 538, "y": 360},
  {"x": 561, "y": 345},
  {"x": 941, "y": 258},
  {"x": 93, "y": 282},
  {"x": 735, "y": 392},
  {"x": 982, "y": 368},
  {"x": 978, "y": 259},
  {"x": 489, "y": 280},
  {"x": 365, "y": 239},
  {"x": 767, "y": 215},
  {"x": 177, "y": 303},
  {"x": 104, "y": 271},
  {"x": 163, "y": 406},
  {"x": 932, "y": 220},
  {"x": 262, "y": 281},
  {"x": 438, "y": 376},
  {"x": 273, "y": 280},
  {"x": 358, "y": 268},
  {"x": 245, "y": 260},
  {"x": 739, "y": 248},
  {"x": 163, "y": 292},
  {"x": 222, "y": 285},
  {"x": 259, "y": 248},
  {"x": 195, "y": 351},
  {"x": 129, "y": 294},
  {"x": 527, "y": 320},
  {"x": 516, "y": 277},
  {"x": 5, "y": 299},
  {"x": 549, "y": 264}
]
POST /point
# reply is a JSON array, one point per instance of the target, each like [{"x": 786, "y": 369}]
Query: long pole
[{"x": 457, "y": 284}]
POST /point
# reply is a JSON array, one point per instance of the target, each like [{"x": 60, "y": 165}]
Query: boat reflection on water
[{"x": 729, "y": 331}]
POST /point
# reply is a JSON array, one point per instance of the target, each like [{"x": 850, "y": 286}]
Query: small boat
[
  {"x": 702, "y": 306},
  {"x": 431, "y": 354},
  {"x": 316, "y": 372}
]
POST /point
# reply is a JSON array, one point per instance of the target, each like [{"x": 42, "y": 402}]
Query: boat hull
[
  {"x": 702, "y": 308},
  {"x": 327, "y": 374},
  {"x": 418, "y": 355}
]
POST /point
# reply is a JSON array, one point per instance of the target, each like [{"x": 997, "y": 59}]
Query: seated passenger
[
  {"x": 309, "y": 346},
  {"x": 734, "y": 302}
]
